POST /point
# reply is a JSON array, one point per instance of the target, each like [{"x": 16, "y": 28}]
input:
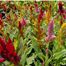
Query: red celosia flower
[
  {"x": 61, "y": 10},
  {"x": 1, "y": 49},
  {"x": 7, "y": 51},
  {"x": 22, "y": 23},
  {"x": 10, "y": 47},
  {"x": 40, "y": 16},
  {"x": 60, "y": 6},
  {"x": 50, "y": 35}
]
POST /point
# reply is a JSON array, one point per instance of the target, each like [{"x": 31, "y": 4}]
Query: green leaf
[
  {"x": 60, "y": 54},
  {"x": 30, "y": 60},
  {"x": 1, "y": 10},
  {"x": 63, "y": 62},
  {"x": 35, "y": 45},
  {"x": 23, "y": 60},
  {"x": 41, "y": 56},
  {"x": 37, "y": 63}
]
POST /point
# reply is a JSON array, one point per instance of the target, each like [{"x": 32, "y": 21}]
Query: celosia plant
[{"x": 32, "y": 33}]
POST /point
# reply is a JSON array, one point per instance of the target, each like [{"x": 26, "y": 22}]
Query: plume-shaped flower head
[
  {"x": 61, "y": 10},
  {"x": 62, "y": 34},
  {"x": 22, "y": 23},
  {"x": 50, "y": 34},
  {"x": 40, "y": 16},
  {"x": 63, "y": 29},
  {"x": 7, "y": 51}
]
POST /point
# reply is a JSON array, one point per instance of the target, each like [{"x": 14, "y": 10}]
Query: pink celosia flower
[{"x": 50, "y": 34}]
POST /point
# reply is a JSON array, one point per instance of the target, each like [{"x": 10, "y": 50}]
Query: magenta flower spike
[{"x": 50, "y": 34}]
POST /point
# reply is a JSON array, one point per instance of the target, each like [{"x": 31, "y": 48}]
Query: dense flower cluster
[{"x": 7, "y": 51}]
